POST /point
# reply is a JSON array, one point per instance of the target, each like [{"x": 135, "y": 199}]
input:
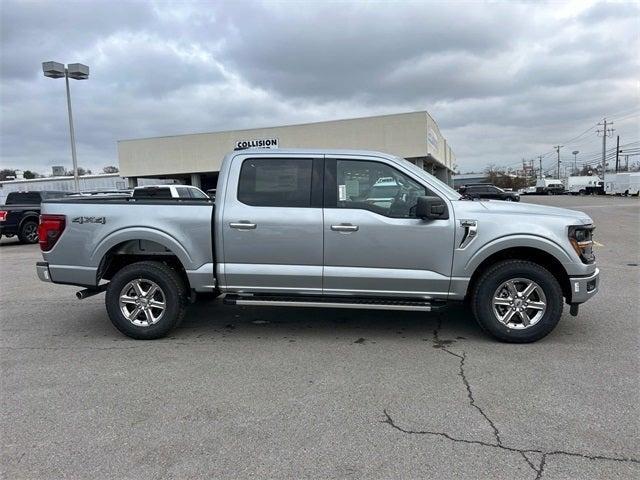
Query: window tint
[
  {"x": 377, "y": 187},
  {"x": 276, "y": 182},
  {"x": 17, "y": 198},
  {"x": 183, "y": 192},
  {"x": 152, "y": 192}
]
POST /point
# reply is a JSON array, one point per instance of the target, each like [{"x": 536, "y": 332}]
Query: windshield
[{"x": 442, "y": 187}]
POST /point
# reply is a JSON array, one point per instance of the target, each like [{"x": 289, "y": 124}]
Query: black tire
[
  {"x": 486, "y": 286},
  {"x": 28, "y": 232},
  {"x": 172, "y": 288}
]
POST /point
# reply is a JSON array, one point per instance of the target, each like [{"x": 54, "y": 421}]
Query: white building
[{"x": 196, "y": 158}]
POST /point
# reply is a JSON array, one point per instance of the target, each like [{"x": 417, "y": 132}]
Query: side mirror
[{"x": 432, "y": 208}]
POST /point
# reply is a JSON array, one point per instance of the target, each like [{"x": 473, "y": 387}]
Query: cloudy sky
[{"x": 503, "y": 80}]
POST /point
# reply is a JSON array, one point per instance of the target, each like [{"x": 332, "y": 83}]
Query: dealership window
[
  {"x": 376, "y": 187},
  {"x": 276, "y": 182}
]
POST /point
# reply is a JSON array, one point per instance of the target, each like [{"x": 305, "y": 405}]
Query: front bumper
[
  {"x": 583, "y": 288},
  {"x": 43, "y": 271}
]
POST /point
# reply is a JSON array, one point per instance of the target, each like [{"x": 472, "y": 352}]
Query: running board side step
[{"x": 377, "y": 303}]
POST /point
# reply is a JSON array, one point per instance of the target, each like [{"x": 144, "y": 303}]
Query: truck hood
[{"x": 524, "y": 209}]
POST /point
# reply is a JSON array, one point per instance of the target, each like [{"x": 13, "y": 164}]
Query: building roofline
[{"x": 281, "y": 126}]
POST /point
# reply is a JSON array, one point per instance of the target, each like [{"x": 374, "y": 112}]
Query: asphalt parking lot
[{"x": 240, "y": 392}]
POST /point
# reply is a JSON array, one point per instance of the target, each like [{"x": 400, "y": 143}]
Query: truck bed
[{"x": 97, "y": 227}]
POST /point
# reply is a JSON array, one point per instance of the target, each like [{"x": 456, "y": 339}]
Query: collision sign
[{"x": 259, "y": 143}]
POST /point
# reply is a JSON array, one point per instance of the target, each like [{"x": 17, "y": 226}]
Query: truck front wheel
[
  {"x": 517, "y": 301},
  {"x": 146, "y": 300}
]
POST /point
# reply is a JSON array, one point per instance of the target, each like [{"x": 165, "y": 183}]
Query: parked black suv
[
  {"x": 485, "y": 190},
  {"x": 20, "y": 214}
]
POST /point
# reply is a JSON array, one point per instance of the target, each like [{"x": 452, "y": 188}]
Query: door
[
  {"x": 494, "y": 193},
  {"x": 373, "y": 243},
  {"x": 272, "y": 225}
]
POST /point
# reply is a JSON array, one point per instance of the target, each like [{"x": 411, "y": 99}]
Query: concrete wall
[{"x": 403, "y": 134}]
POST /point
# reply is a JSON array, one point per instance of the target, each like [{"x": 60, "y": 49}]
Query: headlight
[{"x": 581, "y": 238}]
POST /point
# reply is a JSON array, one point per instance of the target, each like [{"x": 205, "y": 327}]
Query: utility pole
[
  {"x": 626, "y": 163},
  {"x": 532, "y": 172},
  {"x": 605, "y": 132},
  {"x": 540, "y": 160},
  {"x": 558, "y": 147},
  {"x": 617, "y": 153}
]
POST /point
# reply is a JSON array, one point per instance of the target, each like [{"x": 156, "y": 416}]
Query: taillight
[
  {"x": 49, "y": 230},
  {"x": 3, "y": 215}
]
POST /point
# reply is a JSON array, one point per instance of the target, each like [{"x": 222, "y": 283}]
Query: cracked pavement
[{"x": 305, "y": 393}]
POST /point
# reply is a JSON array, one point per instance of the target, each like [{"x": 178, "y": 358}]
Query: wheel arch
[
  {"x": 527, "y": 253},
  {"x": 30, "y": 215},
  {"x": 126, "y": 247}
]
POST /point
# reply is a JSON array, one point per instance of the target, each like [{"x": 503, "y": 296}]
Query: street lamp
[
  {"x": 575, "y": 160},
  {"x": 77, "y": 71}
]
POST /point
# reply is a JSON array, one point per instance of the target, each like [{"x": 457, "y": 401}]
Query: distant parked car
[
  {"x": 527, "y": 191},
  {"x": 547, "y": 186},
  {"x": 169, "y": 191},
  {"x": 488, "y": 191},
  {"x": 19, "y": 215}
]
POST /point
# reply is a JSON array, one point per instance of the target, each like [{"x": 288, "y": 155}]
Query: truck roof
[{"x": 309, "y": 151}]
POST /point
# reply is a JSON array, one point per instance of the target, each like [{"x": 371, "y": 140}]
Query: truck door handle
[
  {"x": 243, "y": 225},
  {"x": 345, "y": 228}
]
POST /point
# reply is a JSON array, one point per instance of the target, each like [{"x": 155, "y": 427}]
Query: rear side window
[
  {"x": 17, "y": 198},
  {"x": 276, "y": 182},
  {"x": 183, "y": 192},
  {"x": 163, "y": 192}
]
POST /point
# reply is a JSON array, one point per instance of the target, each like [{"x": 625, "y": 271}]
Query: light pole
[
  {"x": 77, "y": 71},
  {"x": 575, "y": 160}
]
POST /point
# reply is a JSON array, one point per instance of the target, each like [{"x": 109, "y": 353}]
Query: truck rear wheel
[
  {"x": 28, "y": 232},
  {"x": 146, "y": 300},
  {"x": 517, "y": 301}
]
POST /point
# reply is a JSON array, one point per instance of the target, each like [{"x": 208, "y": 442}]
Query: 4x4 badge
[{"x": 82, "y": 220}]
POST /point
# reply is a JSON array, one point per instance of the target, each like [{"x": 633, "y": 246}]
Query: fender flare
[
  {"x": 141, "y": 233},
  {"x": 517, "y": 241},
  {"x": 27, "y": 216}
]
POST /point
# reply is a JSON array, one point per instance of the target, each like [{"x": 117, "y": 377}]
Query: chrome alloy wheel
[
  {"x": 519, "y": 303},
  {"x": 142, "y": 302}
]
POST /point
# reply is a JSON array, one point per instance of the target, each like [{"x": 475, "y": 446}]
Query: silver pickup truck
[{"x": 319, "y": 228}]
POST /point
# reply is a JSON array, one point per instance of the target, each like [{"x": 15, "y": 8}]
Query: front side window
[
  {"x": 276, "y": 182},
  {"x": 377, "y": 187}
]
